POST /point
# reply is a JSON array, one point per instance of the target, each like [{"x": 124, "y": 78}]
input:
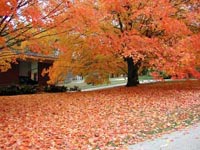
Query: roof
[{"x": 27, "y": 55}]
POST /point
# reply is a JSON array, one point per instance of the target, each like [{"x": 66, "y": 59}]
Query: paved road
[
  {"x": 186, "y": 139},
  {"x": 103, "y": 87},
  {"x": 116, "y": 85}
]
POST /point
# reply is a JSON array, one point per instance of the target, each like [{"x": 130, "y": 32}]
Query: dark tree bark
[{"x": 132, "y": 72}]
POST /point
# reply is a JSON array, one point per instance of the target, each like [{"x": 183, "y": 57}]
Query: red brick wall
[
  {"x": 42, "y": 80},
  {"x": 11, "y": 76}
]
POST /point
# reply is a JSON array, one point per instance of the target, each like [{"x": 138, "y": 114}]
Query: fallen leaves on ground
[{"x": 97, "y": 120}]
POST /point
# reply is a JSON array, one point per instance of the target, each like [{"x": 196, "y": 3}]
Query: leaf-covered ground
[{"x": 106, "y": 119}]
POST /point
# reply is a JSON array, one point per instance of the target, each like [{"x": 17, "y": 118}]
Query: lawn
[
  {"x": 104, "y": 119},
  {"x": 82, "y": 85},
  {"x": 113, "y": 81}
]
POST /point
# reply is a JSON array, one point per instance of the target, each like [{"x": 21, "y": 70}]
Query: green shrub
[
  {"x": 75, "y": 88},
  {"x": 18, "y": 89},
  {"x": 54, "y": 89},
  {"x": 28, "y": 89},
  {"x": 10, "y": 90}
]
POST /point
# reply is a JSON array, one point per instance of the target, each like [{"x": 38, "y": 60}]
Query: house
[{"x": 27, "y": 69}]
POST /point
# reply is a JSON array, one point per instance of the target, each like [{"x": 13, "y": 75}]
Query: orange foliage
[
  {"x": 25, "y": 24},
  {"x": 153, "y": 32},
  {"x": 26, "y": 20},
  {"x": 106, "y": 119}
]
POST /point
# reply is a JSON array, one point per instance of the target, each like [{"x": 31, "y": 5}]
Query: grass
[
  {"x": 145, "y": 77},
  {"x": 113, "y": 81}
]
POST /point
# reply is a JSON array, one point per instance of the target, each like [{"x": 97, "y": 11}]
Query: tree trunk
[{"x": 132, "y": 72}]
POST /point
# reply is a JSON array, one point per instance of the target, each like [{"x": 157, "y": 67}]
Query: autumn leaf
[{"x": 104, "y": 119}]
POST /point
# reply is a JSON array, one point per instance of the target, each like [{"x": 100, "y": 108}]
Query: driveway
[{"x": 185, "y": 139}]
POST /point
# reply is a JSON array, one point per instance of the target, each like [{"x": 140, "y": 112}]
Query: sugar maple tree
[
  {"x": 79, "y": 57},
  {"x": 157, "y": 34},
  {"x": 25, "y": 23},
  {"x": 95, "y": 37}
]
